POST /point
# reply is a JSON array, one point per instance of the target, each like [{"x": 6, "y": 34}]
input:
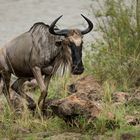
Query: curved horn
[
  {"x": 90, "y": 25},
  {"x": 57, "y": 32}
]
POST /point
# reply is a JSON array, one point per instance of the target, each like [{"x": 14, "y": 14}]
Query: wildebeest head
[{"x": 73, "y": 38}]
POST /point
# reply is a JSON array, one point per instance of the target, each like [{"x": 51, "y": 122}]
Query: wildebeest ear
[{"x": 58, "y": 43}]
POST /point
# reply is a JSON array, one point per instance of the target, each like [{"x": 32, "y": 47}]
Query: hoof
[{"x": 43, "y": 108}]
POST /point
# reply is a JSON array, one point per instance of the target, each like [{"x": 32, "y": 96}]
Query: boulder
[
  {"x": 83, "y": 100},
  {"x": 121, "y": 97}
]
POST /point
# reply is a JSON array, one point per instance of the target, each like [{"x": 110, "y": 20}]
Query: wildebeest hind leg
[
  {"x": 17, "y": 87},
  {"x": 6, "y": 83}
]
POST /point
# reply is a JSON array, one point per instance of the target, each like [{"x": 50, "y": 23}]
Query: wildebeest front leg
[
  {"x": 39, "y": 78},
  {"x": 6, "y": 83},
  {"x": 47, "y": 81},
  {"x": 17, "y": 87}
]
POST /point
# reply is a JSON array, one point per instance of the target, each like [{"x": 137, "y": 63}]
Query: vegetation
[
  {"x": 117, "y": 56},
  {"x": 114, "y": 59}
]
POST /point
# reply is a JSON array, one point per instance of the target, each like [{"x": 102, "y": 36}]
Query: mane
[
  {"x": 40, "y": 35},
  {"x": 62, "y": 59},
  {"x": 38, "y": 25}
]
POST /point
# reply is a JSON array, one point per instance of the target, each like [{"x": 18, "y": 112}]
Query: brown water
[{"x": 17, "y": 16}]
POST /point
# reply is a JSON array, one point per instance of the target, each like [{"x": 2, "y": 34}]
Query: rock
[
  {"x": 111, "y": 116},
  {"x": 30, "y": 85},
  {"x": 120, "y": 97},
  {"x": 134, "y": 98},
  {"x": 136, "y": 94},
  {"x": 127, "y": 136},
  {"x": 73, "y": 106},
  {"x": 132, "y": 120},
  {"x": 133, "y": 135},
  {"x": 84, "y": 100},
  {"x": 87, "y": 85}
]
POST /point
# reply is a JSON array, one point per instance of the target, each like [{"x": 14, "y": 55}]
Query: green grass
[{"x": 110, "y": 123}]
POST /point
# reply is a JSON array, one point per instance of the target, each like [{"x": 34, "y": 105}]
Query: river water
[{"x": 17, "y": 16}]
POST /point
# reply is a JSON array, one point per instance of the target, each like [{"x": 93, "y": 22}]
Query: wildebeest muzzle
[{"x": 77, "y": 69}]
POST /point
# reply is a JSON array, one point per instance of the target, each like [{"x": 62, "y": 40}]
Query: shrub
[{"x": 116, "y": 55}]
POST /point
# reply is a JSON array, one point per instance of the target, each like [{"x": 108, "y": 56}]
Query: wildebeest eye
[
  {"x": 58, "y": 43},
  {"x": 71, "y": 44}
]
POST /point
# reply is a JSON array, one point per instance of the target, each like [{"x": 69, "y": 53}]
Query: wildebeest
[{"x": 41, "y": 51}]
